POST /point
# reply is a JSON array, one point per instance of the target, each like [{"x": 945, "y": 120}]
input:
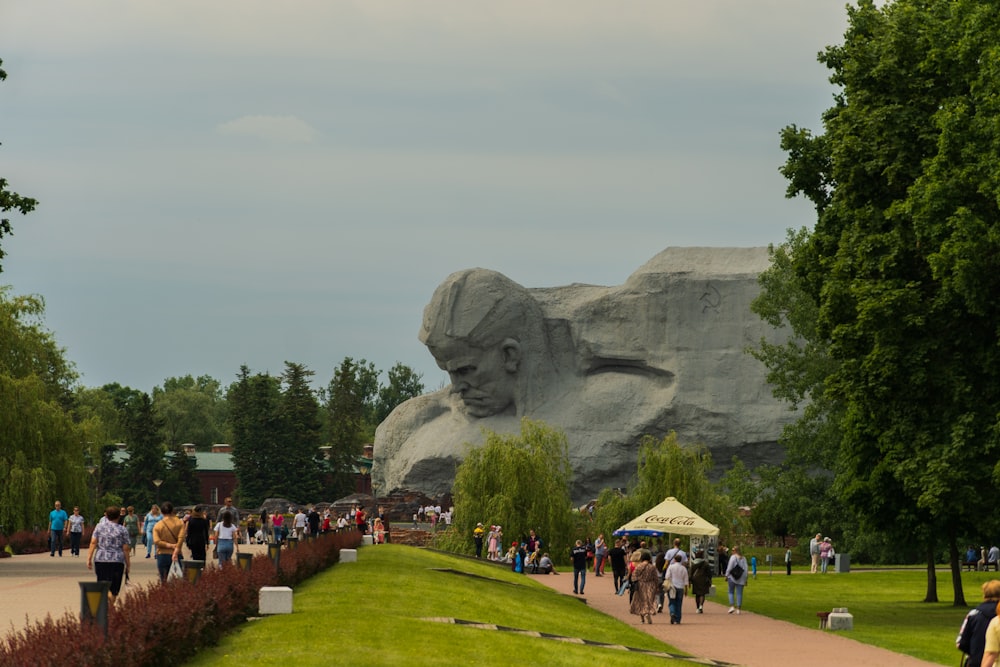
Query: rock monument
[{"x": 663, "y": 352}]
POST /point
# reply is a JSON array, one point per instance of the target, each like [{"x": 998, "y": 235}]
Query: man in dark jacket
[
  {"x": 619, "y": 568},
  {"x": 579, "y": 555},
  {"x": 972, "y": 636}
]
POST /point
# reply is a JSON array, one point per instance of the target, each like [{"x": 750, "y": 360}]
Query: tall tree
[
  {"x": 11, "y": 201},
  {"x": 903, "y": 264},
  {"x": 302, "y": 437},
  {"x": 145, "y": 454},
  {"x": 258, "y": 459},
  {"x": 190, "y": 410},
  {"x": 403, "y": 383},
  {"x": 347, "y": 408}
]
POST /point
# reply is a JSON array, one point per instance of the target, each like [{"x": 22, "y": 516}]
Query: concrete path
[
  {"x": 33, "y": 586},
  {"x": 749, "y": 639}
]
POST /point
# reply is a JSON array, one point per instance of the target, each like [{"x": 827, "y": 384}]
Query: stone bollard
[
  {"x": 840, "y": 619},
  {"x": 367, "y": 540},
  {"x": 348, "y": 555},
  {"x": 274, "y": 600}
]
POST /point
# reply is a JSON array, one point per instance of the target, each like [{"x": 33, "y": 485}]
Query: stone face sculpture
[{"x": 663, "y": 352}]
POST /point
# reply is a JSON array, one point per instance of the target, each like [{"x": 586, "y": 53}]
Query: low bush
[
  {"x": 165, "y": 624},
  {"x": 29, "y": 542}
]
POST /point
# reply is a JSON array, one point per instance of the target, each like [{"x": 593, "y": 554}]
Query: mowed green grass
[
  {"x": 886, "y": 605},
  {"x": 373, "y": 613}
]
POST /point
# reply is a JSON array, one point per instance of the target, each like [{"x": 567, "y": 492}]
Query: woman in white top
[{"x": 225, "y": 538}]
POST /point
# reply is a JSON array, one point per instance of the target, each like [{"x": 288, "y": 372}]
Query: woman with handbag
[{"x": 736, "y": 577}]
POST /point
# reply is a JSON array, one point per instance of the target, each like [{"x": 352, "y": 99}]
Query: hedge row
[{"x": 165, "y": 624}]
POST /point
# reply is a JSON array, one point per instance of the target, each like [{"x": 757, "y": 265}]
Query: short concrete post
[
  {"x": 348, "y": 555},
  {"x": 274, "y": 600},
  {"x": 840, "y": 619}
]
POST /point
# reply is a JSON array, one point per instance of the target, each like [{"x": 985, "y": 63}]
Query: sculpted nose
[{"x": 458, "y": 386}]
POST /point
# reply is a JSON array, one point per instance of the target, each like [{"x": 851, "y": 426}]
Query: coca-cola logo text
[{"x": 671, "y": 520}]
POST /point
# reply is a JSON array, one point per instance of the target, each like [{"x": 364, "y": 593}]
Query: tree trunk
[
  {"x": 931, "y": 574},
  {"x": 956, "y": 570}
]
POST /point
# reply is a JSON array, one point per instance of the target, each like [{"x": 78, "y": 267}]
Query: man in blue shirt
[{"x": 57, "y": 523}]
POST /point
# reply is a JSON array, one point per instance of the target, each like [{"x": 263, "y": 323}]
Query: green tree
[
  {"x": 347, "y": 407},
  {"x": 254, "y": 418},
  {"x": 11, "y": 201},
  {"x": 146, "y": 460},
  {"x": 42, "y": 457},
  {"x": 181, "y": 484},
  {"x": 903, "y": 263},
  {"x": 664, "y": 469},
  {"x": 190, "y": 410},
  {"x": 299, "y": 414},
  {"x": 403, "y": 384},
  {"x": 520, "y": 482}
]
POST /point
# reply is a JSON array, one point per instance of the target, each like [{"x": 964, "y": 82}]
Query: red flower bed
[{"x": 166, "y": 624}]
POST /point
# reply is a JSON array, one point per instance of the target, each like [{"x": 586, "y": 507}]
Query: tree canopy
[{"x": 902, "y": 266}]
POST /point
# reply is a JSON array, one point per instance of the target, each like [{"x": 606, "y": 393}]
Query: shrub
[
  {"x": 29, "y": 542},
  {"x": 164, "y": 624}
]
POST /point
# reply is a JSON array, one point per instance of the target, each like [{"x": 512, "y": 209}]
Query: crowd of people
[{"x": 164, "y": 534}]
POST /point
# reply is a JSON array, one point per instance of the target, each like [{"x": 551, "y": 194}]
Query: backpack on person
[{"x": 737, "y": 571}]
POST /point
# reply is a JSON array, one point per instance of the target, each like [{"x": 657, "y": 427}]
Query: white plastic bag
[{"x": 176, "y": 571}]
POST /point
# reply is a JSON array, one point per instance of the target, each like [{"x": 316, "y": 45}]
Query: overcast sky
[{"x": 249, "y": 182}]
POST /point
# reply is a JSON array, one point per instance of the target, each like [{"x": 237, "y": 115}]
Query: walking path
[
  {"x": 749, "y": 639},
  {"x": 33, "y": 586}
]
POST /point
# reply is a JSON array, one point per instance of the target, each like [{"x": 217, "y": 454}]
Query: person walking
[
  {"x": 645, "y": 582},
  {"x": 619, "y": 568},
  {"x": 131, "y": 523},
  {"x": 579, "y": 556},
  {"x": 226, "y": 534},
  {"x": 74, "y": 526},
  {"x": 153, "y": 516},
  {"x": 736, "y": 577},
  {"x": 109, "y": 553},
  {"x": 57, "y": 523},
  {"x": 278, "y": 526},
  {"x": 972, "y": 637},
  {"x": 168, "y": 536},
  {"x": 701, "y": 579},
  {"x": 196, "y": 538},
  {"x": 788, "y": 561},
  {"x": 677, "y": 579}
]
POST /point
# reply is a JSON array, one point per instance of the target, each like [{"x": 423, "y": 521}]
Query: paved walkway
[
  {"x": 33, "y": 586},
  {"x": 749, "y": 639}
]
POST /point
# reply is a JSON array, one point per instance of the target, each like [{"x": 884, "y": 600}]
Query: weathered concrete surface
[{"x": 664, "y": 351}]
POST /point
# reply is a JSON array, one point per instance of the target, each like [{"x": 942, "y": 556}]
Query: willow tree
[
  {"x": 520, "y": 482},
  {"x": 42, "y": 455},
  {"x": 665, "y": 468}
]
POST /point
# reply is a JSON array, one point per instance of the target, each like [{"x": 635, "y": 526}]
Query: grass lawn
[
  {"x": 373, "y": 613},
  {"x": 886, "y": 605}
]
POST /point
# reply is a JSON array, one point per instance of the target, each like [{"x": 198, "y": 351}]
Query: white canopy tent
[{"x": 669, "y": 517}]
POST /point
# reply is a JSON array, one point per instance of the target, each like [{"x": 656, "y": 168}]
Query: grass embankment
[
  {"x": 372, "y": 613},
  {"x": 885, "y": 604}
]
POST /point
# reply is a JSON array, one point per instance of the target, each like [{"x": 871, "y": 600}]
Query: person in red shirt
[{"x": 359, "y": 520}]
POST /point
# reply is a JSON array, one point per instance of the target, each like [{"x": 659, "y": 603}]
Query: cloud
[{"x": 278, "y": 129}]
